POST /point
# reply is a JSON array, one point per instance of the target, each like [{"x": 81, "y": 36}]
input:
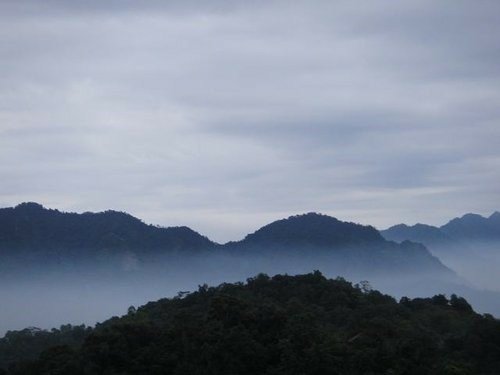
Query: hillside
[
  {"x": 37, "y": 234},
  {"x": 312, "y": 229},
  {"x": 31, "y": 228},
  {"x": 304, "y": 324},
  {"x": 349, "y": 248}
]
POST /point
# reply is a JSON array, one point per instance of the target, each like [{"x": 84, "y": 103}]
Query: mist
[
  {"x": 477, "y": 261},
  {"x": 51, "y": 295}
]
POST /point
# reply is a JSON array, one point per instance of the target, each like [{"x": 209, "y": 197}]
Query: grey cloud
[{"x": 223, "y": 115}]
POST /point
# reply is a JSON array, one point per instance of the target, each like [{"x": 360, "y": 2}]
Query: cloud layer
[{"x": 225, "y": 115}]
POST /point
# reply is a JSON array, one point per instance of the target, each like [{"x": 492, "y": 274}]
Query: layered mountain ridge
[
  {"x": 307, "y": 240},
  {"x": 470, "y": 245},
  {"x": 31, "y": 227},
  {"x": 465, "y": 229},
  {"x": 117, "y": 255}
]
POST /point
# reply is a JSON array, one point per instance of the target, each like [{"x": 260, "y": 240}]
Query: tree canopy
[{"x": 304, "y": 324}]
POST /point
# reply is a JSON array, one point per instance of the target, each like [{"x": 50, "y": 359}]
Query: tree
[{"x": 131, "y": 310}]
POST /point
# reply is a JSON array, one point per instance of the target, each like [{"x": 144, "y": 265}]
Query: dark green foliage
[
  {"x": 30, "y": 342},
  {"x": 313, "y": 229},
  {"x": 358, "y": 248},
  {"x": 31, "y": 227},
  {"x": 289, "y": 325},
  {"x": 459, "y": 303}
]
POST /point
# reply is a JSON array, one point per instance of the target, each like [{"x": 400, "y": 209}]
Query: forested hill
[
  {"x": 117, "y": 239},
  {"x": 33, "y": 228},
  {"x": 288, "y": 325},
  {"x": 312, "y": 229},
  {"x": 348, "y": 248}
]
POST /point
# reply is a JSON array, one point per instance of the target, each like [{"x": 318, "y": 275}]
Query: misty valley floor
[{"x": 57, "y": 298}]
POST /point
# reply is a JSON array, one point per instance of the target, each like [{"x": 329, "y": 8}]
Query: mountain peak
[
  {"x": 473, "y": 227},
  {"x": 32, "y": 228},
  {"x": 313, "y": 229},
  {"x": 399, "y": 226},
  {"x": 495, "y": 216},
  {"x": 29, "y": 206},
  {"x": 470, "y": 217},
  {"x": 423, "y": 233}
]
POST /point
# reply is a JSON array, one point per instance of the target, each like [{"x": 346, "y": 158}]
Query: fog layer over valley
[
  {"x": 470, "y": 245},
  {"x": 61, "y": 268}
]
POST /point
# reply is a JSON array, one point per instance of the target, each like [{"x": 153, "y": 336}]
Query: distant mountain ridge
[
  {"x": 468, "y": 228},
  {"x": 347, "y": 247},
  {"x": 309, "y": 239},
  {"x": 116, "y": 246},
  {"x": 473, "y": 227},
  {"x": 312, "y": 229},
  {"x": 30, "y": 226},
  {"x": 421, "y": 233}
]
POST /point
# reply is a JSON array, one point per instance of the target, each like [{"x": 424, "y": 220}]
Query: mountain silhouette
[
  {"x": 422, "y": 233},
  {"x": 347, "y": 248},
  {"x": 468, "y": 228},
  {"x": 474, "y": 227},
  {"x": 312, "y": 229},
  {"x": 308, "y": 240},
  {"x": 55, "y": 245},
  {"x": 29, "y": 227}
]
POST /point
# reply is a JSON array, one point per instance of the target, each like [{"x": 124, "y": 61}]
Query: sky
[{"x": 226, "y": 115}]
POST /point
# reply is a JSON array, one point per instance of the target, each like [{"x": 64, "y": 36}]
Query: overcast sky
[{"x": 224, "y": 115}]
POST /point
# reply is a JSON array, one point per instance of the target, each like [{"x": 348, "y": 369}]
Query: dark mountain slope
[
  {"x": 347, "y": 248},
  {"x": 39, "y": 238},
  {"x": 49, "y": 241},
  {"x": 313, "y": 229},
  {"x": 289, "y": 325},
  {"x": 472, "y": 227},
  {"x": 29, "y": 227}
]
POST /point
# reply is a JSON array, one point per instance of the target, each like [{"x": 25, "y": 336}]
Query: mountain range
[
  {"x": 114, "y": 257},
  {"x": 469, "y": 228},
  {"x": 470, "y": 245},
  {"x": 34, "y": 232}
]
